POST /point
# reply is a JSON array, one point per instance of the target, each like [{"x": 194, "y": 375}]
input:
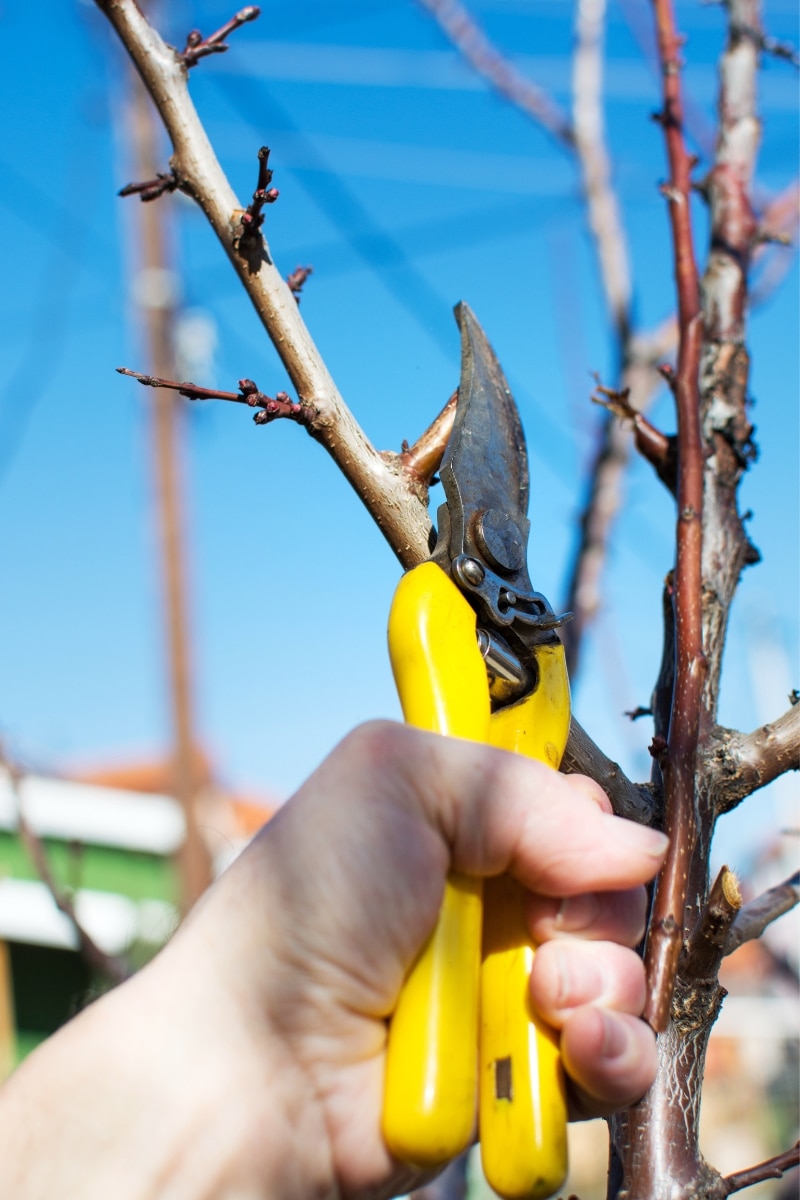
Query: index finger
[{"x": 502, "y": 812}]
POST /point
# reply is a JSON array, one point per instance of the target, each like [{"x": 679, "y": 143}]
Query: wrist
[{"x": 162, "y": 1088}]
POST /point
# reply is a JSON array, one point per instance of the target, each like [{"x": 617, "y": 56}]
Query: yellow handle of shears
[
  {"x": 522, "y": 1107},
  {"x": 432, "y": 1056},
  {"x": 451, "y": 1001}
]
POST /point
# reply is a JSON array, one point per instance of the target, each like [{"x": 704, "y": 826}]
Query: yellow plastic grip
[
  {"x": 432, "y": 1057},
  {"x": 522, "y": 1107}
]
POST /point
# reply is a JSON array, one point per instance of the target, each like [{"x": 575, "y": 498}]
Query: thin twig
[
  {"x": 678, "y": 767},
  {"x": 769, "y": 45},
  {"x": 151, "y": 189},
  {"x": 652, "y": 444},
  {"x": 111, "y": 966},
  {"x": 272, "y": 407},
  {"x": 759, "y": 913},
  {"x": 198, "y": 47},
  {"x": 773, "y": 1168},
  {"x": 604, "y": 489}
]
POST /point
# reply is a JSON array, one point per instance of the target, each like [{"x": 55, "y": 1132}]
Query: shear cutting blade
[{"x": 485, "y": 467}]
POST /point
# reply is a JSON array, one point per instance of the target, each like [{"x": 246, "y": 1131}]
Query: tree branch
[
  {"x": 652, "y": 444},
  {"x": 270, "y": 407},
  {"x": 638, "y": 802},
  {"x": 641, "y": 380},
  {"x": 758, "y": 914},
  {"x": 773, "y": 1168},
  {"x": 111, "y": 966},
  {"x": 388, "y": 491},
  {"x": 198, "y": 47},
  {"x": 678, "y": 766},
  {"x": 741, "y": 763},
  {"x": 378, "y": 480},
  {"x": 422, "y": 460}
]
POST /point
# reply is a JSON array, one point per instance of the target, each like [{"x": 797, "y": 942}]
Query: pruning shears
[{"x": 476, "y": 654}]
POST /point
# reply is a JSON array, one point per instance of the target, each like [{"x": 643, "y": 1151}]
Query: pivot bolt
[{"x": 472, "y": 571}]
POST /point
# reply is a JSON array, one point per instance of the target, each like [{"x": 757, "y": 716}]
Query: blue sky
[{"x": 408, "y": 186}]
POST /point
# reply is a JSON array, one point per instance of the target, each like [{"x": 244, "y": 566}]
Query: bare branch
[
  {"x": 198, "y": 47},
  {"x": 422, "y": 460},
  {"x": 468, "y": 37},
  {"x": 271, "y": 407},
  {"x": 740, "y": 763},
  {"x": 773, "y": 1168},
  {"x": 379, "y": 482},
  {"x": 758, "y": 914},
  {"x": 678, "y": 767},
  {"x": 635, "y": 801},
  {"x": 109, "y": 965},
  {"x": 652, "y": 444},
  {"x": 604, "y": 492}
]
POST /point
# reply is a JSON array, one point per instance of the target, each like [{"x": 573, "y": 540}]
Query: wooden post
[
  {"x": 157, "y": 301},
  {"x": 8, "y": 1041}
]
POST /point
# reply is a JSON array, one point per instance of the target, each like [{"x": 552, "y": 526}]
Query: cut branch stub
[{"x": 707, "y": 942}]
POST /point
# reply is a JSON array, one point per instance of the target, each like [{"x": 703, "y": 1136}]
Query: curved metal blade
[{"x": 485, "y": 466}]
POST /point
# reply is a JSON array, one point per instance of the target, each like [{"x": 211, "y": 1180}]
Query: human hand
[{"x": 322, "y": 916}]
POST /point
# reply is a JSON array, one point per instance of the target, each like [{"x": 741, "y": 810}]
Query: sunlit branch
[
  {"x": 759, "y": 913},
  {"x": 678, "y": 764}
]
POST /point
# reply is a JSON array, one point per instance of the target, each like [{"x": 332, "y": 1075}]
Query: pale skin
[{"x": 247, "y": 1060}]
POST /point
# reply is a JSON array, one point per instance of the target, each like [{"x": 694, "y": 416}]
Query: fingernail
[
  {"x": 615, "y": 1036},
  {"x": 576, "y": 913},
  {"x": 650, "y": 842}
]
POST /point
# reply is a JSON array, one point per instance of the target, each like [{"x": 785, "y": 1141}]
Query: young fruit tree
[{"x": 701, "y": 770}]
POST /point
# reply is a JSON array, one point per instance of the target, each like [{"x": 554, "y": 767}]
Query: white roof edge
[
  {"x": 86, "y": 812},
  {"x": 29, "y": 914}
]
